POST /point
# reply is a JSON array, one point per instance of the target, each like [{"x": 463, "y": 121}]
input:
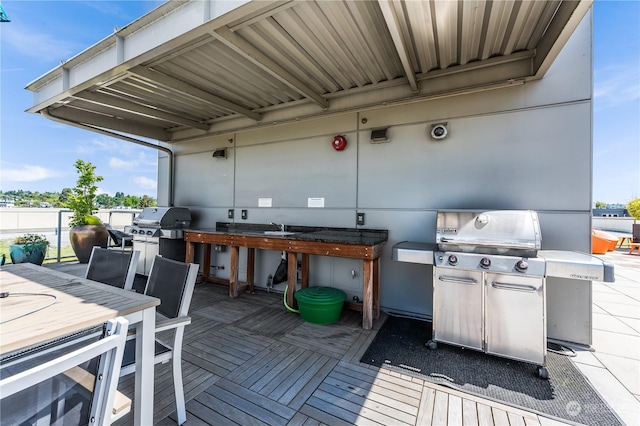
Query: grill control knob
[
  {"x": 485, "y": 262},
  {"x": 149, "y": 232},
  {"x": 453, "y": 259},
  {"x": 522, "y": 265},
  {"x": 134, "y": 231}
]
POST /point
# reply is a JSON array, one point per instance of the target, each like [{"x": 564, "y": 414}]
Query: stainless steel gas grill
[
  {"x": 489, "y": 281},
  {"x": 159, "y": 230}
]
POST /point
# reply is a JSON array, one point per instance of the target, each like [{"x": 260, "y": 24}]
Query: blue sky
[{"x": 37, "y": 154}]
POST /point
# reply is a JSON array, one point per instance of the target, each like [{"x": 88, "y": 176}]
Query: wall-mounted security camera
[{"x": 439, "y": 131}]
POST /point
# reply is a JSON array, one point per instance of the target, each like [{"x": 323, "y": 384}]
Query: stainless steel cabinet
[
  {"x": 515, "y": 317},
  {"x": 458, "y": 307}
]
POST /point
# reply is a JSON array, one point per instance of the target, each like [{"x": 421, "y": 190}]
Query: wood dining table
[{"x": 38, "y": 305}]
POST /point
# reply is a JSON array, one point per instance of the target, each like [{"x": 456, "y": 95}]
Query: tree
[
  {"x": 65, "y": 195},
  {"x": 131, "y": 201},
  {"x": 634, "y": 208},
  {"x": 601, "y": 205},
  {"x": 104, "y": 201},
  {"x": 83, "y": 199},
  {"x": 146, "y": 201}
]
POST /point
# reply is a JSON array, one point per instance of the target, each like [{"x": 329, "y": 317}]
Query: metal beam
[
  {"x": 120, "y": 104},
  {"x": 391, "y": 19},
  {"x": 565, "y": 21},
  {"x": 106, "y": 122},
  {"x": 249, "y": 52},
  {"x": 181, "y": 86}
]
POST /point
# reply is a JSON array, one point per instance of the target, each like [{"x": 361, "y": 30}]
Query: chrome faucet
[{"x": 281, "y": 225}]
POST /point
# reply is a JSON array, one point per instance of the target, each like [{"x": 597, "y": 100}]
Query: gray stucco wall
[{"x": 523, "y": 147}]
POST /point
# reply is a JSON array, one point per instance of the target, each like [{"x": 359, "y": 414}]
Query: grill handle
[
  {"x": 457, "y": 280},
  {"x": 489, "y": 243},
  {"x": 514, "y": 287}
]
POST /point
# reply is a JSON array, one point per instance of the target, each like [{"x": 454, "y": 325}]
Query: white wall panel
[
  {"x": 527, "y": 159},
  {"x": 210, "y": 186},
  {"x": 290, "y": 172}
]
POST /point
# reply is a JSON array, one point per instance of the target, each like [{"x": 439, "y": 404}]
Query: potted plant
[
  {"x": 31, "y": 248},
  {"x": 86, "y": 230},
  {"x": 634, "y": 210}
]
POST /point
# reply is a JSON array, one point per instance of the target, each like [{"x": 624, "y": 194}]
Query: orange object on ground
[
  {"x": 634, "y": 246},
  {"x": 610, "y": 238},
  {"x": 598, "y": 244}
]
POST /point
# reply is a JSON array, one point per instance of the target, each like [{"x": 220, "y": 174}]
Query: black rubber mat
[{"x": 400, "y": 345}]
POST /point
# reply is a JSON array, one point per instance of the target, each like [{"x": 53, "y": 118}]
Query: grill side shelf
[
  {"x": 577, "y": 266},
  {"x": 414, "y": 252}
]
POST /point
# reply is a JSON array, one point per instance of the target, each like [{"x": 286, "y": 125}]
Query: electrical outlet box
[
  {"x": 230, "y": 213},
  {"x": 244, "y": 214},
  {"x": 359, "y": 218}
]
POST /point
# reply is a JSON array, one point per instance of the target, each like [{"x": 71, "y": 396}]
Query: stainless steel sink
[{"x": 278, "y": 233}]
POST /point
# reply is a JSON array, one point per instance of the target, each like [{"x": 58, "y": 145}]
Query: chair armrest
[{"x": 167, "y": 324}]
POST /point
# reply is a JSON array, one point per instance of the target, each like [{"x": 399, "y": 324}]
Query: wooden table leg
[
  {"x": 305, "y": 270},
  {"x": 367, "y": 294},
  {"x": 251, "y": 265},
  {"x": 292, "y": 272},
  {"x": 190, "y": 252},
  {"x": 206, "y": 262},
  {"x": 376, "y": 288},
  {"x": 233, "y": 272}
]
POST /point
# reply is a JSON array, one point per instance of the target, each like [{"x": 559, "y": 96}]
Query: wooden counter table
[{"x": 339, "y": 242}]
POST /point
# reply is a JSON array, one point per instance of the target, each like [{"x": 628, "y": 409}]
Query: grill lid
[
  {"x": 504, "y": 232},
  {"x": 163, "y": 217}
]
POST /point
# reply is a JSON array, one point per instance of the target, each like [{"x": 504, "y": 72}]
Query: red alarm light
[{"x": 339, "y": 143}]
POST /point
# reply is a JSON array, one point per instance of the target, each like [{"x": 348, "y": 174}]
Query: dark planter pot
[
  {"x": 84, "y": 238},
  {"x": 28, "y": 253},
  {"x": 636, "y": 232}
]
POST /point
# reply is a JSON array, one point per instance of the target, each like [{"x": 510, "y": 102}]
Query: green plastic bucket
[{"x": 320, "y": 305}]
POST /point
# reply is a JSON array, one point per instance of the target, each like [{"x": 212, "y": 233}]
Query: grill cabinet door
[
  {"x": 457, "y": 307},
  {"x": 515, "y": 317}
]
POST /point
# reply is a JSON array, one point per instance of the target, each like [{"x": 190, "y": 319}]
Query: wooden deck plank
[
  {"x": 298, "y": 394},
  {"x": 322, "y": 416},
  {"x": 380, "y": 384},
  {"x": 485, "y": 415},
  {"x": 291, "y": 372},
  {"x": 440, "y": 408},
  {"x": 425, "y": 410},
  {"x": 382, "y": 375},
  {"x": 469, "y": 412},
  {"x": 393, "y": 414},
  {"x": 336, "y": 407},
  {"x": 499, "y": 416},
  {"x": 227, "y": 411},
  {"x": 300, "y": 419},
  {"x": 454, "y": 413},
  {"x": 377, "y": 394},
  {"x": 255, "y": 398},
  {"x": 515, "y": 420}
]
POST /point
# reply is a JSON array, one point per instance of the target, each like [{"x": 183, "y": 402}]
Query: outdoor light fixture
[
  {"x": 220, "y": 153},
  {"x": 439, "y": 131},
  {"x": 380, "y": 135}
]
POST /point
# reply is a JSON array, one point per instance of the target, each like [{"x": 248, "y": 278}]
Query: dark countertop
[{"x": 355, "y": 236}]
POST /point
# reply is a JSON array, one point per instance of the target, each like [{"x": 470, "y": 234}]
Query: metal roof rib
[{"x": 266, "y": 59}]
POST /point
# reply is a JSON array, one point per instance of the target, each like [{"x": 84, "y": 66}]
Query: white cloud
[
  {"x": 27, "y": 173},
  {"x": 118, "y": 163},
  {"x": 29, "y": 42},
  {"x": 145, "y": 182}
]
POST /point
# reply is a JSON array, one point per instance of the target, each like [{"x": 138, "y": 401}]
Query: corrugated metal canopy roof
[{"x": 180, "y": 72}]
